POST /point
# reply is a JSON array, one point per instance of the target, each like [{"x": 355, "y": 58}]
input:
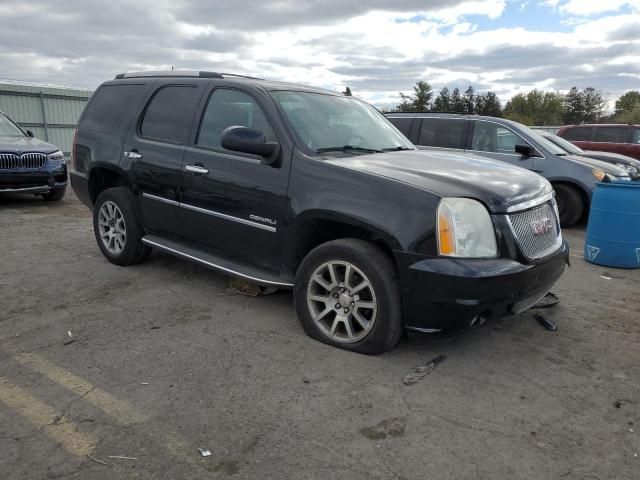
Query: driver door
[
  {"x": 232, "y": 203},
  {"x": 496, "y": 141}
]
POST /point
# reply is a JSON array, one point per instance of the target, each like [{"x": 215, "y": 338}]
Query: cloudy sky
[{"x": 377, "y": 47}]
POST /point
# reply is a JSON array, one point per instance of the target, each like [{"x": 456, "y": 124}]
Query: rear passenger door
[
  {"x": 232, "y": 202},
  {"x": 154, "y": 148},
  {"x": 443, "y": 132},
  {"x": 611, "y": 139},
  {"x": 497, "y": 141}
]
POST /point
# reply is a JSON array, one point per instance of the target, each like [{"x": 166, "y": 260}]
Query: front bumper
[
  {"x": 36, "y": 181},
  {"x": 441, "y": 293}
]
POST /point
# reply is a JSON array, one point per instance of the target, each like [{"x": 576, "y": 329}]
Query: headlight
[
  {"x": 630, "y": 169},
  {"x": 465, "y": 229},
  {"x": 56, "y": 157}
]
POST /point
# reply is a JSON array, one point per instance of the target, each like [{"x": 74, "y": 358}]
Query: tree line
[{"x": 535, "y": 107}]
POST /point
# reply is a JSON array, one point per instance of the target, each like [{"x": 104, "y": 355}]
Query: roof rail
[
  {"x": 182, "y": 73},
  {"x": 170, "y": 73},
  {"x": 239, "y": 76}
]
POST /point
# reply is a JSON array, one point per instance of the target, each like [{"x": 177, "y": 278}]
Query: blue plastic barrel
[{"x": 613, "y": 231}]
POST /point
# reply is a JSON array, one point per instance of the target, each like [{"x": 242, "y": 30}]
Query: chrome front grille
[
  {"x": 11, "y": 161},
  {"x": 537, "y": 230}
]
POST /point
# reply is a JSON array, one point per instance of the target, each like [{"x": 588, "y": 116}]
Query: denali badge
[{"x": 540, "y": 227}]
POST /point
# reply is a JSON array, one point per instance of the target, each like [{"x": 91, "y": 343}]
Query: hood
[
  {"x": 599, "y": 164},
  {"x": 25, "y": 144},
  {"x": 612, "y": 157},
  {"x": 453, "y": 174}
]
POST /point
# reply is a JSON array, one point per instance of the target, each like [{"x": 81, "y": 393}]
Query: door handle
[
  {"x": 132, "y": 154},
  {"x": 196, "y": 169}
]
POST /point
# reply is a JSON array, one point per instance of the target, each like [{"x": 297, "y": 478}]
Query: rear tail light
[{"x": 73, "y": 149}]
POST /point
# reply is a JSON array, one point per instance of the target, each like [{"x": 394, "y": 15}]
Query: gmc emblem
[{"x": 540, "y": 227}]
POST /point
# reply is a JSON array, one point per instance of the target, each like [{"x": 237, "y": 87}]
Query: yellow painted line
[
  {"x": 42, "y": 416},
  {"x": 120, "y": 410}
]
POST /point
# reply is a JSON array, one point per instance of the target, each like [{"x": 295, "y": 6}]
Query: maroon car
[{"x": 616, "y": 138}]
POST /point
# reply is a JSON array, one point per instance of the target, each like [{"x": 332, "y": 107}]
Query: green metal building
[{"x": 51, "y": 112}]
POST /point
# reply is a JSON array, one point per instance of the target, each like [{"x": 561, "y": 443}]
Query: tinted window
[
  {"x": 110, "y": 107},
  {"x": 402, "y": 124},
  {"x": 228, "y": 108},
  {"x": 611, "y": 134},
  {"x": 444, "y": 133},
  {"x": 491, "y": 137},
  {"x": 578, "y": 134},
  {"x": 169, "y": 113},
  {"x": 636, "y": 135}
]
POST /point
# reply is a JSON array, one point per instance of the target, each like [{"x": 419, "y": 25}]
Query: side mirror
[
  {"x": 525, "y": 150},
  {"x": 249, "y": 140},
  {"x": 29, "y": 133}
]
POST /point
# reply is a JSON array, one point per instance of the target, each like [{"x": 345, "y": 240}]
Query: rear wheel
[
  {"x": 347, "y": 295},
  {"x": 570, "y": 204},
  {"x": 117, "y": 229}
]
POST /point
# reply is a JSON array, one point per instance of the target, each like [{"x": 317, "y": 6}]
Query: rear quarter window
[
  {"x": 578, "y": 134},
  {"x": 402, "y": 124},
  {"x": 443, "y": 133},
  {"x": 611, "y": 134},
  {"x": 170, "y": 113},
  {"x": 110, "y": 107}
]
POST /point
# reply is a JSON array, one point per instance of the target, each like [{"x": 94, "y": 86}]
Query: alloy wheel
[
  {"x": 113, "y": 230},
  {"x": 342, "y": 301}
]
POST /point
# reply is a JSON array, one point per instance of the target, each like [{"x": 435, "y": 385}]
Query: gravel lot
[{"x": 167, "y": 359}]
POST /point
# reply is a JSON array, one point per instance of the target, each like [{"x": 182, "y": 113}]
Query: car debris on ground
[
  {"x": 545, "y": 322},
  {"x": 420, "y": 372},
  {"x": 204, "y": 452}
]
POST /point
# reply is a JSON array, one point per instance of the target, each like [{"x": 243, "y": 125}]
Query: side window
[
  {"x": 491, "y": 137},
  {"x": 443, "y": 133},
  {"x": 169, "y": 113},
  {"x": 578, "y": 134},
  {"x": 228, "y": 108},
  {"x": 611, "y": 134},
  {"x": 636, "y": 136},
  {"x": 110, "y": 107},
  {"x": 402, "y": 124}
]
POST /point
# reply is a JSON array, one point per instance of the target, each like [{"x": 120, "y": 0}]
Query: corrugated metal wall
[{"x": 50, "y": 112}]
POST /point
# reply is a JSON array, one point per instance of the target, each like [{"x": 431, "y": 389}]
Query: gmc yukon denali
[{"x": 296, "y": 187}]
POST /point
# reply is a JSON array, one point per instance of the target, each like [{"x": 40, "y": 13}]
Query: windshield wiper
[
  {"x": 347, "y": 148},
  {"x": 399, "y": 148}
]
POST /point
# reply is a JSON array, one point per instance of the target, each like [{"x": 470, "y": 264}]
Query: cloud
[{"x": 378, "y": 48}]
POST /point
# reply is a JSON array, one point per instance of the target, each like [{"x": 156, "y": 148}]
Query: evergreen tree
[
  {"x": 442, "y": 103},
  {"x": 594, "y": 104},
  {"x": 488, "y": 104},
  {"x": 422, "y": 96},
  {"x": 574, "y": 107},
  {"x": 457, "y": 102}
]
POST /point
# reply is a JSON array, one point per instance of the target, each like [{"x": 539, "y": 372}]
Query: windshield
[
  {"x": 547, "y": 144},
  {"x": 329, "y": 122},
  {"x": 564, "y": 144},
  {"x": 8, "y": 128}
]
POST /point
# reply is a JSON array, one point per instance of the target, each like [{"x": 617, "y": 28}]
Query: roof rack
[{"x": 181, "y": 73}]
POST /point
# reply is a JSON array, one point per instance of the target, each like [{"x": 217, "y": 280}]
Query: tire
[
  {"x": 570, "y": 204},
  {"x": 115, "y": 220},
  {"x": 355, "y": 325},
  {"x": 55, "y": 195}
]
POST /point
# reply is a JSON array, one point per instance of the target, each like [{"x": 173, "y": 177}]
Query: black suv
[
  {"x": 29, "y": 165},
  {"x": 297, "y": 187}
]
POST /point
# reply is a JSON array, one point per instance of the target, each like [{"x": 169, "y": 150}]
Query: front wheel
[
  {"x": 117, "y": 229},
  {"x": 570, "y": 204},
  {"x": 346, "y": 294}
]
